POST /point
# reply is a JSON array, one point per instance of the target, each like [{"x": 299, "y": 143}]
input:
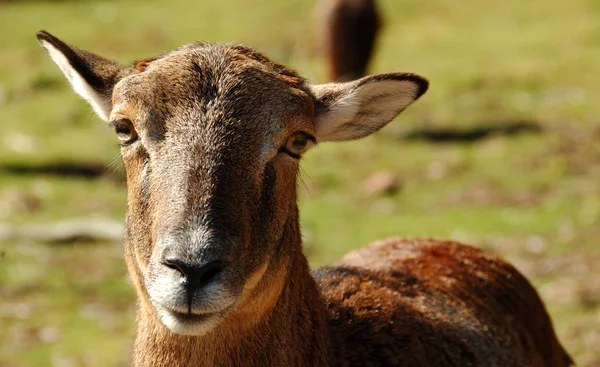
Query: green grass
[{"x": 533, "y": 198}]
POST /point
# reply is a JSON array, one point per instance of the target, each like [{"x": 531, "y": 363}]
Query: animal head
[{"x": 211, "y": 137}]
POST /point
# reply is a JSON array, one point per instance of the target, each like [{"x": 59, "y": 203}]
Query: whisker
[
  {"x": 302, "y": 176},
  {"x": 115, "y": 166}
]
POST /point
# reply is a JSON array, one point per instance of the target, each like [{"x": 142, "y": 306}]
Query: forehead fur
[{"x": 202, "y": 74}]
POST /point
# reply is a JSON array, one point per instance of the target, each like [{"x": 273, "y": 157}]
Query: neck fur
[{"x": 282, "y": 323}]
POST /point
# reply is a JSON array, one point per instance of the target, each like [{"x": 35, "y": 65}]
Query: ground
[{"x": 503, "y": 152}]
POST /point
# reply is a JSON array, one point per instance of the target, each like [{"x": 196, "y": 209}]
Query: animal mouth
[
  {"x": 191, "y": 323},
  {"x": 192, "y": 318},
  {"x": 191, "y": 314}
]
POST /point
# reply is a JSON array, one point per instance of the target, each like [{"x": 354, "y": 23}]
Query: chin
[{"x": 189, "y": 324}]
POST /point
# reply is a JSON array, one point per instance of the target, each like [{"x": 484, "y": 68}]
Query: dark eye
[
  {"x": 298, "y": 143},
  {"x": 125, "y": 131}
]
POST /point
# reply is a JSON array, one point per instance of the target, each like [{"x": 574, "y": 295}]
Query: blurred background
[{"x": 502, "y": 152}]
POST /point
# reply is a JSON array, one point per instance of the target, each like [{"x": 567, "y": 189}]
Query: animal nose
[{"x": 195, "y": 275}]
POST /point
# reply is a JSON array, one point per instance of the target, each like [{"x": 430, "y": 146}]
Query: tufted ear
[
  {"x": 353, "y": 110},
  {"x": 93, "y": 77}
]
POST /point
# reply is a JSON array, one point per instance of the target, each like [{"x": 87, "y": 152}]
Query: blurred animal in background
[
  {"x": 348, "y": 30},
  {"x": 211, "y": 138}
]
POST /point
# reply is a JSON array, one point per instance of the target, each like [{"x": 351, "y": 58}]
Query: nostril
[
  {"x": 212, "y": 268},
  {"x": 176, "y": 264},
  {"x": 195, "y": 275}
]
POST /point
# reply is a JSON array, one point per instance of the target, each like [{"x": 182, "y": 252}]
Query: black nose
[{"x": 195, "y": 275}]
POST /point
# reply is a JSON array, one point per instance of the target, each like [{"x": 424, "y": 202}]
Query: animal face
[
  {"x": 211, "y": 138},
  {"x": 214, "y": 137}
]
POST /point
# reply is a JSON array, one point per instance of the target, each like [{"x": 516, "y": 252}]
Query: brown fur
[
  {"x": 208, "y": 179},
  {"x": 445, "y": 303},
  {"x": 350, "y": 29}
]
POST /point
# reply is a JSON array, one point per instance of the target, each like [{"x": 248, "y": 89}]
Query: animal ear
[
  {"x": 93, "y": 77},
  {"x": 352, "y": 110}
]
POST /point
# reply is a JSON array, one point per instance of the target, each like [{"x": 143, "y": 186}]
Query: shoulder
[{"x": 431, "y": 302}]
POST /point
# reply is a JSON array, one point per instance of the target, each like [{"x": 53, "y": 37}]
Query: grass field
[{"x": 529, "y": 190}]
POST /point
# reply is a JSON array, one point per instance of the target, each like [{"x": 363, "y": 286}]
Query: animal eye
[
  {"x": 298, "y": 144},
  {"x": 125, "y": 131}
]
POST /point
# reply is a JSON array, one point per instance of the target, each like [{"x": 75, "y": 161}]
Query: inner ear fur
[
  {"x": 93, "y": 77},
  {"x": 352, "y": 110}
]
